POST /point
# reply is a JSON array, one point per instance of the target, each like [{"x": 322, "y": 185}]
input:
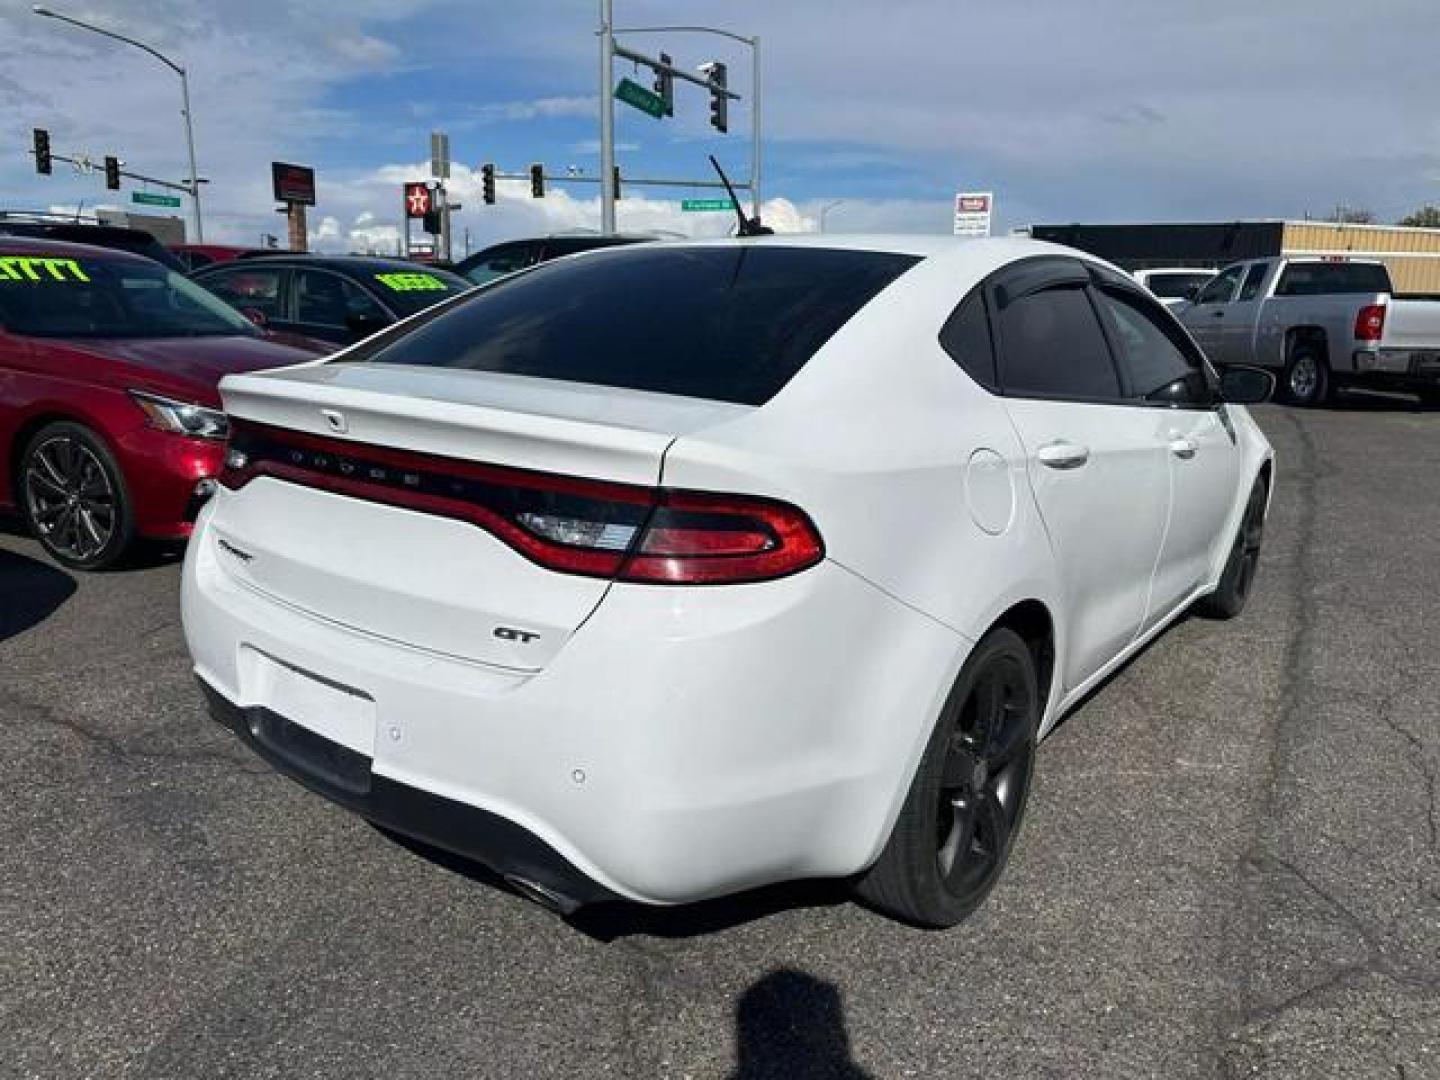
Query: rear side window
[
  {"x": 966, "y": 337},
  {"x": 1052, "y": 347},
  {"x": 1314, "y": 278},
  {"x": 726, "y": 323}
]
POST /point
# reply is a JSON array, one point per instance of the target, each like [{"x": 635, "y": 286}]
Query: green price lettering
[
  {"x": 28, "y": 268},
  {"x": 410, "y": 282}
]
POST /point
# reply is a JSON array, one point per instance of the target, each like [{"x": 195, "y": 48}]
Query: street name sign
[
  {"x": 707, "y": 204},
  {"x": 636, "y": 96},
  {"x": 150, "y": 199}
]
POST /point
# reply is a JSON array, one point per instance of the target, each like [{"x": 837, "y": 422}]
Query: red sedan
[{"x": 110, "y": 421}]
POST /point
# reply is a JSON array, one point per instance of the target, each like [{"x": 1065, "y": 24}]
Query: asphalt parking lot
[{"x": 1229, "y": 867}]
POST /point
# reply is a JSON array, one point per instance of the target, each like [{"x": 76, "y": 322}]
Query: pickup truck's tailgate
[{"x": 1412, "y": 324}]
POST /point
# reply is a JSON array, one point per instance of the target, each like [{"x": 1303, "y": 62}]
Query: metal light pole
[
  {"x": 826, "y": 209},
  {"x": 607, "y": 119},
  {"x": 40, "y": 9}
]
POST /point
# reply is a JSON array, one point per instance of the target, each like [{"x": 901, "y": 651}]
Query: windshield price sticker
[
  {"x": 411, "y": 282},
  {"x": 28, "y": 268}
]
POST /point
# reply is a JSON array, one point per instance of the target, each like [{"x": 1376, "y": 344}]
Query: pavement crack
[{"x": 48, "y": 716}]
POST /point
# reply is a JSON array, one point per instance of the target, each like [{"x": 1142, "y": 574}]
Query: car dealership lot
[{"x": 1230, "y": 862}]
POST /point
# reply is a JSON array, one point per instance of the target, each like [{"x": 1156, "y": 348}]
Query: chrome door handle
[
  {"x": 1063, "y": 455},
  {"x": 1182, "y": 447}
]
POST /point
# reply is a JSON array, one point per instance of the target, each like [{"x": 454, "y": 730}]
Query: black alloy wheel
[
  {"x": 74, "y": 498},
  {"x": 960, "y": 820},
  {"x": 1236, "y": 580}
]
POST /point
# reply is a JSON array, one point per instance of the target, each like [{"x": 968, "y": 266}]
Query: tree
[
  {"x": 1352, "y": 215},
  {"x": 1427, "y": 217}
]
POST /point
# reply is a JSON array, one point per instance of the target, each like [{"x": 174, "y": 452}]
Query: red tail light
[
  {"x": 1370, "y": 322},
  {"x": 577, "y": 526}
]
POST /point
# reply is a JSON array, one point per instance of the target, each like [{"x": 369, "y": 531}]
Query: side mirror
[{"x": 1246, "y": 385}]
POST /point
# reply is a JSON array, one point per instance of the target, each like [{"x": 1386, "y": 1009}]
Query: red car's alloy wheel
[{"x": 71, "y": 498}]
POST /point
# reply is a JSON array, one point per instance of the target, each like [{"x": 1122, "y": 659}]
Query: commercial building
[{"x": 1412, "y": 255}]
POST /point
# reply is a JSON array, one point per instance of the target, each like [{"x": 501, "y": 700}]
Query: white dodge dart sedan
[{"x": 666, "y": 571}]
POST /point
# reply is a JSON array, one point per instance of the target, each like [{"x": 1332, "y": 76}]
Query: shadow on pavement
[
  {"x": 30, "y": 591},
  {"x": 790, "y": 1024},
  {"x": 1357, "y": 400}
]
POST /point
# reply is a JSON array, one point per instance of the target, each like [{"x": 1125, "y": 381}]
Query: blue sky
[{"x": 1106, "y": 110}]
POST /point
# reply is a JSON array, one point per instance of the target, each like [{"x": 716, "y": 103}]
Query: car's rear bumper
[
  {"x": 1413, "y": 366},
  {"x": 684, "y": 743},
  {"x": 345, "y": 776}
]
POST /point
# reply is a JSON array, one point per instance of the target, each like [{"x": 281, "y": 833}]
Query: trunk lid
[{"x": 421, "y": 578}]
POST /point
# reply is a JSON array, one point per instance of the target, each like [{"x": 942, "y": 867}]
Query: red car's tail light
[
  {"x": 578, "y": 526},
  {"x": 1370, "y": 322}
]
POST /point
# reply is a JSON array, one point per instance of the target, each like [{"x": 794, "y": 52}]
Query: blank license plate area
[{"x": 330, "y": 710}]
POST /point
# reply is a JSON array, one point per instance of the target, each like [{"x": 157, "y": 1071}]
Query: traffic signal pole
[
  {"x": 609, "y": 50},
  {"x": 607, "y": 118}
]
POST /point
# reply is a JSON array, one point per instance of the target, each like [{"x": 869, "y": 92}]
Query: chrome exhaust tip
[{"x": 544, "y": 895}]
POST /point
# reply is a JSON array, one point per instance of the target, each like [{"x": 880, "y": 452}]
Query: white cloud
[{"x": 540, "y": 109}]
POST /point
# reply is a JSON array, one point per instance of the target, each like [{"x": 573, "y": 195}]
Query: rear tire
[
  {"x": 1238, "y": 577},
  {"x": 964, "y": 809},
  {"x": 1306, "y": 381},
  {"x": 73, "y": 496}
]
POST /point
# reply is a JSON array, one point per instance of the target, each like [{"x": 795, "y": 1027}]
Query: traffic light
[
  {"x": 112, "y": 173},
  {"x": 616, "y": 179},
  {"x": 487, "y": 183},
  {"x": 719, "y": 103},
  {"x": 664, "y": 89},
  {"x": 537, "y": 181},
  {"x": 42, "y": 151},
  {"x": 431, "y": 221}
]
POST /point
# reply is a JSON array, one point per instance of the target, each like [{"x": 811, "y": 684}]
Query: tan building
[{"x": 1412, "y": 255}]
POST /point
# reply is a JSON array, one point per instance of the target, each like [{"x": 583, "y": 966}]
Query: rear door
[
  {"x": 1167, "y": 380},
  {"x": 1206, "y": 318},
  {"x": 330, "y": 307},
  {"x": 1097, "y": 470}
]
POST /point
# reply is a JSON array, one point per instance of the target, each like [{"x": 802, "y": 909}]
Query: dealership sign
[
  {"x": 972, "y": 212},
  {"x": 293, "y": 183}
]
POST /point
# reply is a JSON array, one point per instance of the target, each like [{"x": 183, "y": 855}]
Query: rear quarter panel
[{"x": 874, "y": 439}]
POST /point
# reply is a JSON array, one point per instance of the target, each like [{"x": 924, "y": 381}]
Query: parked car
[
  {"x": 194, "y": 256},
  {"x": 501, "y": 259},
  {"x": 110, "y": 421},
  {"x": 339, "y": 298},
  {"x": 1321, "y": 322},
  {"x": 115, "y": 237},
  {"x": 667, "y": 571},
  {"x": 1175, "y": 285}
]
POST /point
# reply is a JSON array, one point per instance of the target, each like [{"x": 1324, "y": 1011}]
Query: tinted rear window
[
  {"x": 724, "y": 323},
  {"x": 1312, "y": 279},
  {"x": 1176, "y": 286}
]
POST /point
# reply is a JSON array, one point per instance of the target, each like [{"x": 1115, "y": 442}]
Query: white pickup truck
[{"x": 1319, "y": 322}]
